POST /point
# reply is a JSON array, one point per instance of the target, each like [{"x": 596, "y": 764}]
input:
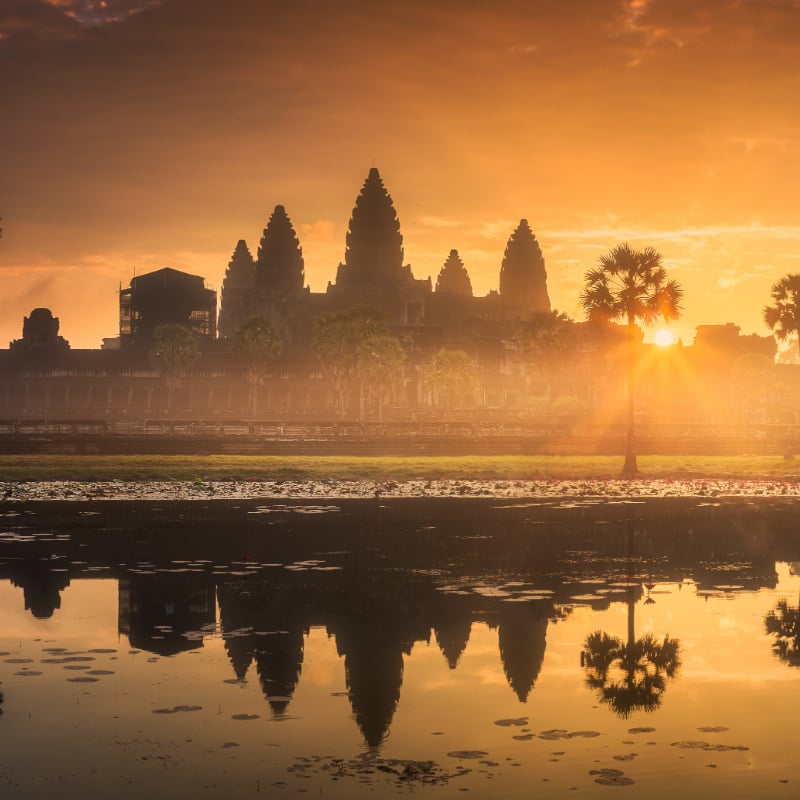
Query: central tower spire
[{"x": 374, "y": 253}]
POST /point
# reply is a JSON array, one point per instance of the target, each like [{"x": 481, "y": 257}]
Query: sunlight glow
[{"x": 663, "y": 337}]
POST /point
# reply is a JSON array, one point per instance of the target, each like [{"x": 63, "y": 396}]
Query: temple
[
  {"x": 373, "y": 275},
  {"x": 280, "y": 353}
]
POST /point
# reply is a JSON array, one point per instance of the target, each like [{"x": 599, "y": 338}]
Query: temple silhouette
[{"x": 528, "y": 365}]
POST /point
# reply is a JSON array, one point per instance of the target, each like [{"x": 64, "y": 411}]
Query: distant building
[
  {"x": 166, "y": 296},
  {"x": 40, "y": 334}
]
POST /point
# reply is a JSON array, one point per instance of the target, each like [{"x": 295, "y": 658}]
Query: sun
[{"x": 663, "y": 337}]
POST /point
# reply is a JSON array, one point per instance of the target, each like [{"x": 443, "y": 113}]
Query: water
[{"x": 367, "y": 648}]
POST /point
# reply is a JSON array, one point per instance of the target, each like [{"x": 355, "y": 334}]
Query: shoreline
[{"x": 13, "y": 492}]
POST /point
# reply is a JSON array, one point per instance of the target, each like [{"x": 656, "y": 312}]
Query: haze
[{"x": 138, "y": 134}]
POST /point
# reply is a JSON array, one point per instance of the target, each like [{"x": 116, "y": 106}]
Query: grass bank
[{"x": 163, "y": 468}]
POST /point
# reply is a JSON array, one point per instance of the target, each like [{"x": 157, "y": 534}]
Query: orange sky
[{"x": 137, "y": 134}]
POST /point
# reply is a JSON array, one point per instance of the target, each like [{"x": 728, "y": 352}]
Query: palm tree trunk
[{"x": 630, "y": 467}]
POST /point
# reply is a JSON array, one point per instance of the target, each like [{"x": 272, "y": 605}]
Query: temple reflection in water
[{"x": 381, "y": 578}]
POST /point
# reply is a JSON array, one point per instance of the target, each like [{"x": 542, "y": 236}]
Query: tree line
[{"x": 354, "y": 348}]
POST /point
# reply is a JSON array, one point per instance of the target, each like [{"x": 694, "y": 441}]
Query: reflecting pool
[{"x": 355, "y": 648}]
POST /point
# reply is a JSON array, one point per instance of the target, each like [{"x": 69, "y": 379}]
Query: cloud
[
  {"x": 101, "y": 12},
  {"x": 321, "y": 230},
  {"x": 438, "y": 222}
]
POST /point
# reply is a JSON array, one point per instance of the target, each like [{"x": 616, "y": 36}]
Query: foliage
[
  {"x": 783, "y": 622},
  {"x": 783, "y": 318},
  {"x": 629, "y": 676},
  {"x": 174, "y": 350},
  {"x": 452, "y": 372},
  {"x": 549, "y": 339},
  {"x": 336, "y": 342},
  {"x": 256, "y": 344},
  {"x": 380, "y": 365},
  {"x": 631, "y": 285}
]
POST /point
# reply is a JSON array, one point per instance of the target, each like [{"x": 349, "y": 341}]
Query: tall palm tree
[
  {"x": 256, "y": 343},
  {"x": 631, "y": 285},
  {"x": 174, "y": 350},
  {"x": 784, "y": 317}
]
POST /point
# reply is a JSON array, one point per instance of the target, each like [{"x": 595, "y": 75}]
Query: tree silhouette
[
  {"x": 336, "y": 341},
  {"x": 784, "y": 317},
  {"x": 631, "y": 285},
  {"x": 548, "y": 338},
  {"x": 256, "y": 344},
  {"x": 380, "y": 365},
  {"x": 783, "y": 622},
  {"x": 174, "y": 350},
  {"x": 632, "y": 675},
  {"x": 452, "y": 372}
]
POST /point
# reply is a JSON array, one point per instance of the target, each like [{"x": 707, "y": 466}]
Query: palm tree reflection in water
[
  {"x": 783, "y": 622},
  {"x": 630, "y": 675}
]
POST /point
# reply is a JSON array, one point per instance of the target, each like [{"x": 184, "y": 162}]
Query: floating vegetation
[
  {"x": 712, "y": 729},
  {"x": 559, "y": 733},
  {"x": 643, "y": 730},
  {"x": 611, "y": 777},
  {"x": 467, "y": 754},
  {"x": 83, "y": 679},
  {"x": 176, "y": 709},
  {"x": 244, "y": 716},
  {"x": 67, "y": 659},
  {"x": 516, "y": 721},
  {"x": 699, "y": 745}
]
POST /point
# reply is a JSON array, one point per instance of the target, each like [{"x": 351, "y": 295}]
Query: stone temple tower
[{"x": 523, "y": 278}]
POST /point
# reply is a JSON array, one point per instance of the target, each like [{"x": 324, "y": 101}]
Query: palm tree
[
  {"x": 631, "y": 285},
  {"x": 784, "y": 317},
  {"x": 174, "y": 350},
  {"x": 380, "y": 365},
  {"x": 257, "y": 344}
]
